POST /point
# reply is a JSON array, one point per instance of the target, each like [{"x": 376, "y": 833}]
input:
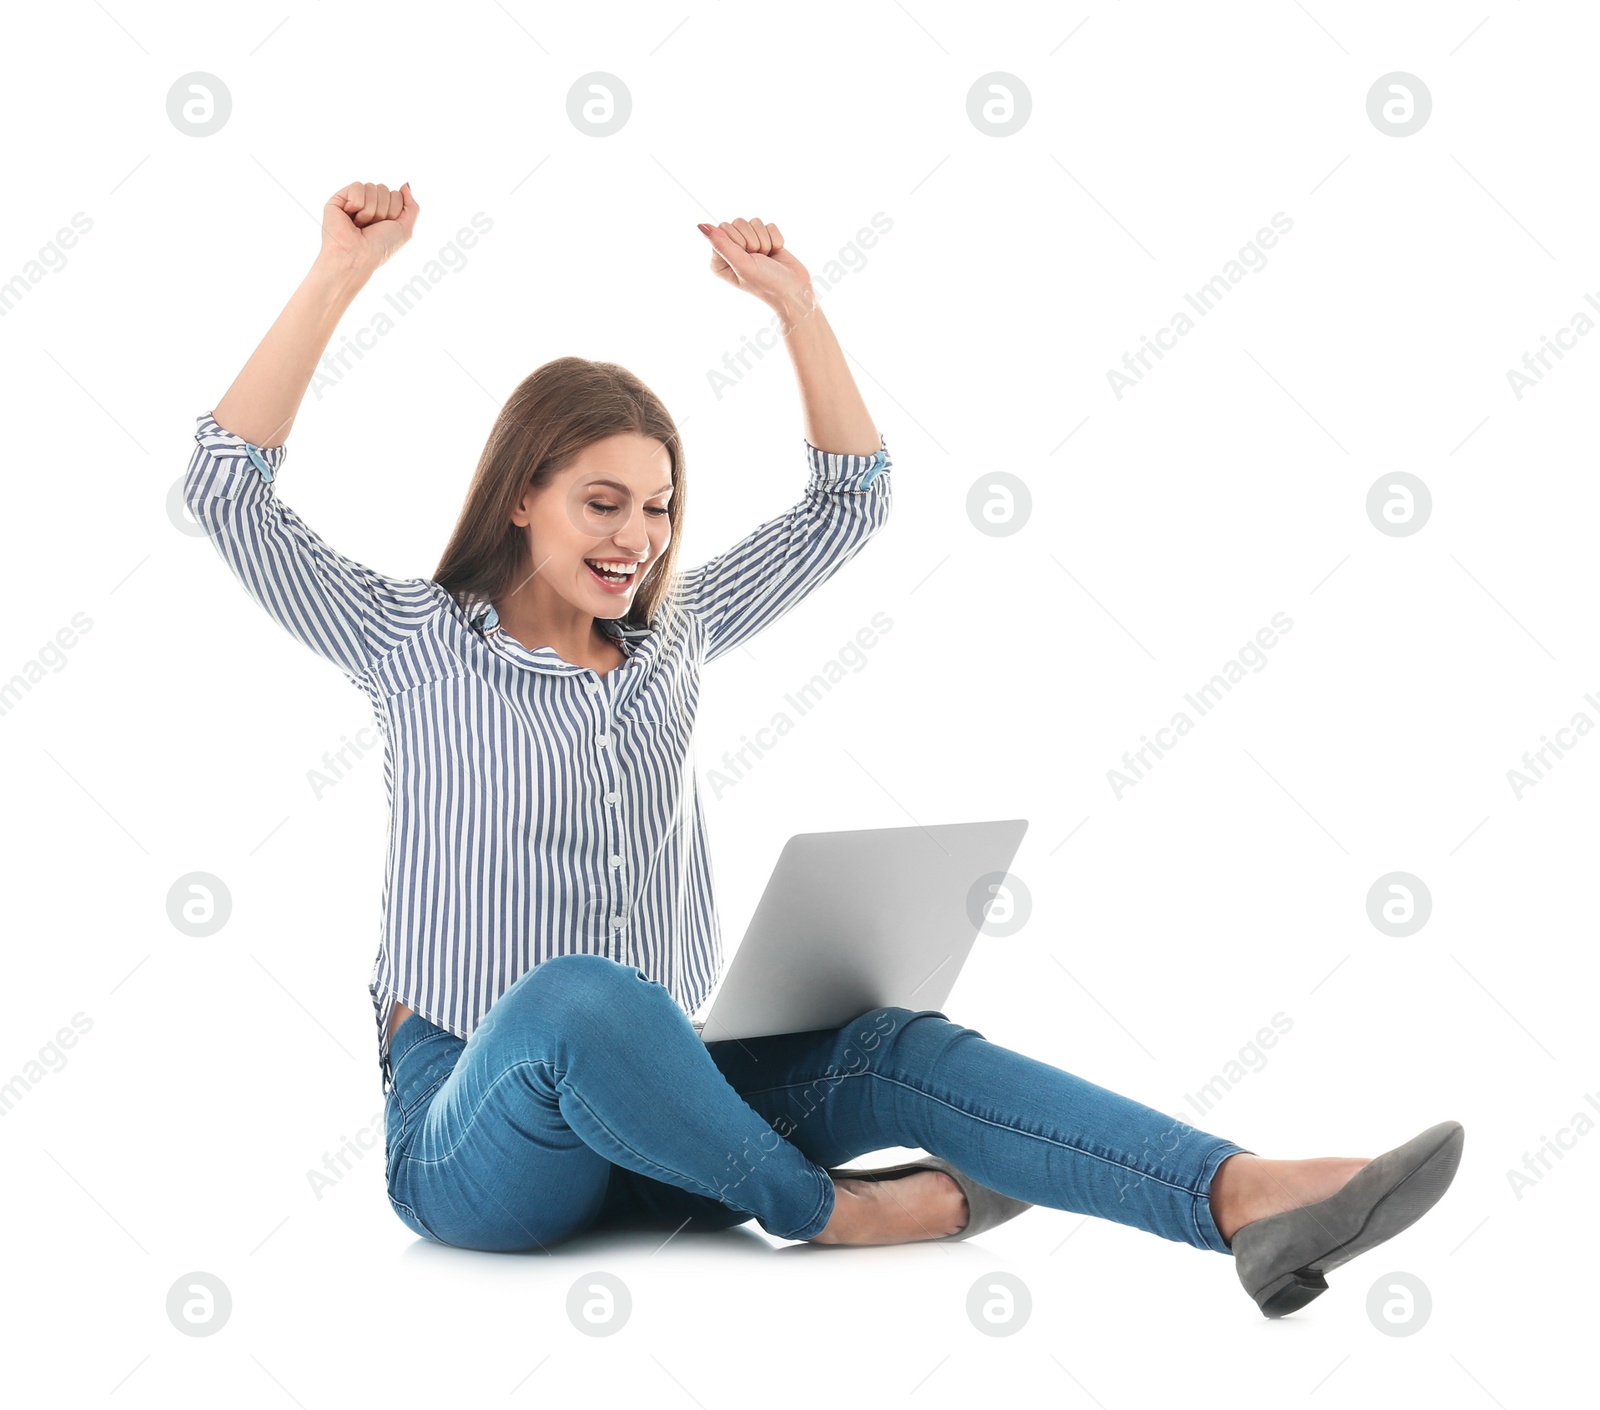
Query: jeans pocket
[
  {"x": 421, "y": 1068},
  {"x": 394, "y": 1134},
  {"x": 403, "y": 1195}
]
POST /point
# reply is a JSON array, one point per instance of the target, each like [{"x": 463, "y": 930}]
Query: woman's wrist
[
  {"x": 337, "y": 277},
  {"x": 798, "y": 311}
]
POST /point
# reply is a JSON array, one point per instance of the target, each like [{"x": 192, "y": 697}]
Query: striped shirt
[{"x": 536, "y": 807}]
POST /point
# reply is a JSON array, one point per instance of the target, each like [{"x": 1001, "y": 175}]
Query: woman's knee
[
  {"x": 576, "y": 991},
  {"x": 893, "y": 1027}
]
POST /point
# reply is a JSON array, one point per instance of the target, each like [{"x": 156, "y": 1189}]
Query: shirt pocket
[
  {"x": 657, "y": 729},
  {"x": 449, "y": 686},
  {"x": 656, "y": 702},
  {"x": 419, "y": 672}
]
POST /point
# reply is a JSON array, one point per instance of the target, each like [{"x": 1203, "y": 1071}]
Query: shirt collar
[{"x": 634, "y": 641}]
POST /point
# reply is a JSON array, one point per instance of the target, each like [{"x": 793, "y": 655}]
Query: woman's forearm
[
  {"x": 265, "y": 397},
  {"x": 836, "y": 418}
]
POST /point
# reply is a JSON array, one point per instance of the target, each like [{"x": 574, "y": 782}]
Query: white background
[{"x": 1167, "y": 528}]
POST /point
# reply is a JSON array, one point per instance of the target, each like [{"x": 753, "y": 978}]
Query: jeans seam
[
  {"x": 1224, "y": 1149},
  {"x": 811, "y": 1219},
  {"x": 408, "y": 1159},
  {"x": 675, "y": 1177},
  {"x": 420, "y": 1042},
  {"x": 421, "y": 1222},
  {"x": 407, "y": 1112},
  {"x": 1033, "y": 1135},
  {"x": 561, "y": 1076}
]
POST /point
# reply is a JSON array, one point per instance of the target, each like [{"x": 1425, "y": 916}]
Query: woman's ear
[{"x": 522, "y": 511}]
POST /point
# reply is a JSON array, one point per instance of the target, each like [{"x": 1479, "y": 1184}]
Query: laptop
[{"x": 852, "y": 921}]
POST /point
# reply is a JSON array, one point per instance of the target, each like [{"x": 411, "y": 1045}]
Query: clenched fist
[
  {"x": 364, "y": 223},
  {"x": 750, "y": 255}
]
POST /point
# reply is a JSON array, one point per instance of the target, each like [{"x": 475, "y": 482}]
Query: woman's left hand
[{"x": 750, "y": 255}]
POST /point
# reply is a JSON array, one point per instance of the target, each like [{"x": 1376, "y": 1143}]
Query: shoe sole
[{"x": 1396, "y": 1210}]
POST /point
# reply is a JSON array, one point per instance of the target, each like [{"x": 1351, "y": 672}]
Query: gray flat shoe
[
  {"x": 985, "y": 1207},
  {"x": 1282, "y": 1259}
]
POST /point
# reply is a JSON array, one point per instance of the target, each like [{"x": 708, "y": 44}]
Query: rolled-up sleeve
[
  {"x": 749, "y": 586},
  {"x": 345, "y": 612}
]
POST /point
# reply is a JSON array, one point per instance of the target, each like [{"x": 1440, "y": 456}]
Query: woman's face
[{"x": 600, "y": 525}]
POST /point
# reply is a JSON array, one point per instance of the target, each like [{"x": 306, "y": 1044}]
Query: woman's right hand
[{"x": 363, "y": 224}]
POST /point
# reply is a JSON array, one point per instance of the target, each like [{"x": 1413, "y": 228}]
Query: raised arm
[
  {"x": 362, "y": 225},
  {"x": 846, "y": 499},
  {"x": 751, "y": 255},
  {"x": 343, "y": 611}
]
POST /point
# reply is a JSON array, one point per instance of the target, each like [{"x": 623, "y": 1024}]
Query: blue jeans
[{"x": 586, "y": 1099}]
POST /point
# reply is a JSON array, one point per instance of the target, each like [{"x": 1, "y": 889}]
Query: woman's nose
[{"x": 632, "y": 540}]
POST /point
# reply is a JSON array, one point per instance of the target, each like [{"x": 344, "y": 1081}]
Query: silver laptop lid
[{"x": 853, "y": 920}]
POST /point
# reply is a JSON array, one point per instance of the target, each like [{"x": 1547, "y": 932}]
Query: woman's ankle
[
  {"x": 1254, "y": 1188},
  {"x": 928, "y": 1204},
  {"x": 1233, "y": 1187},
  {"x": 839, "y": 1222}
]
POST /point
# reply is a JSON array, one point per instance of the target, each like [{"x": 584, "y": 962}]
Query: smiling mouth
[{"x": 614, "y": 572}]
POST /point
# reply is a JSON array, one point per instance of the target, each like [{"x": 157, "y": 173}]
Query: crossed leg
[{"x": 586, "y": 1098}]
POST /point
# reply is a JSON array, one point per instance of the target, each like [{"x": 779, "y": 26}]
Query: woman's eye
[{"x": 601, "y": 507}]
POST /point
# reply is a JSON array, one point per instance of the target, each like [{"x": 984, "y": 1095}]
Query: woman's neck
[{"x": 577, "y": 639}]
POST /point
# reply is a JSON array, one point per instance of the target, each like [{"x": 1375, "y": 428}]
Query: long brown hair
[{"x": 556, "y": 411}]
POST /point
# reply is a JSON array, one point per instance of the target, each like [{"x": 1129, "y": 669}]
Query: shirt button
[
  {"x": 612, "y": 797},
  {"x": 617, "y": 922},
  {"x": 616, "y": 861},
  {"x": 602, "y": 740},
  {"x": 591, "y": 686}
]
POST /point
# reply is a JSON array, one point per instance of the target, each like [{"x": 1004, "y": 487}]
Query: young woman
[{"x": 549, "y": 923}]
